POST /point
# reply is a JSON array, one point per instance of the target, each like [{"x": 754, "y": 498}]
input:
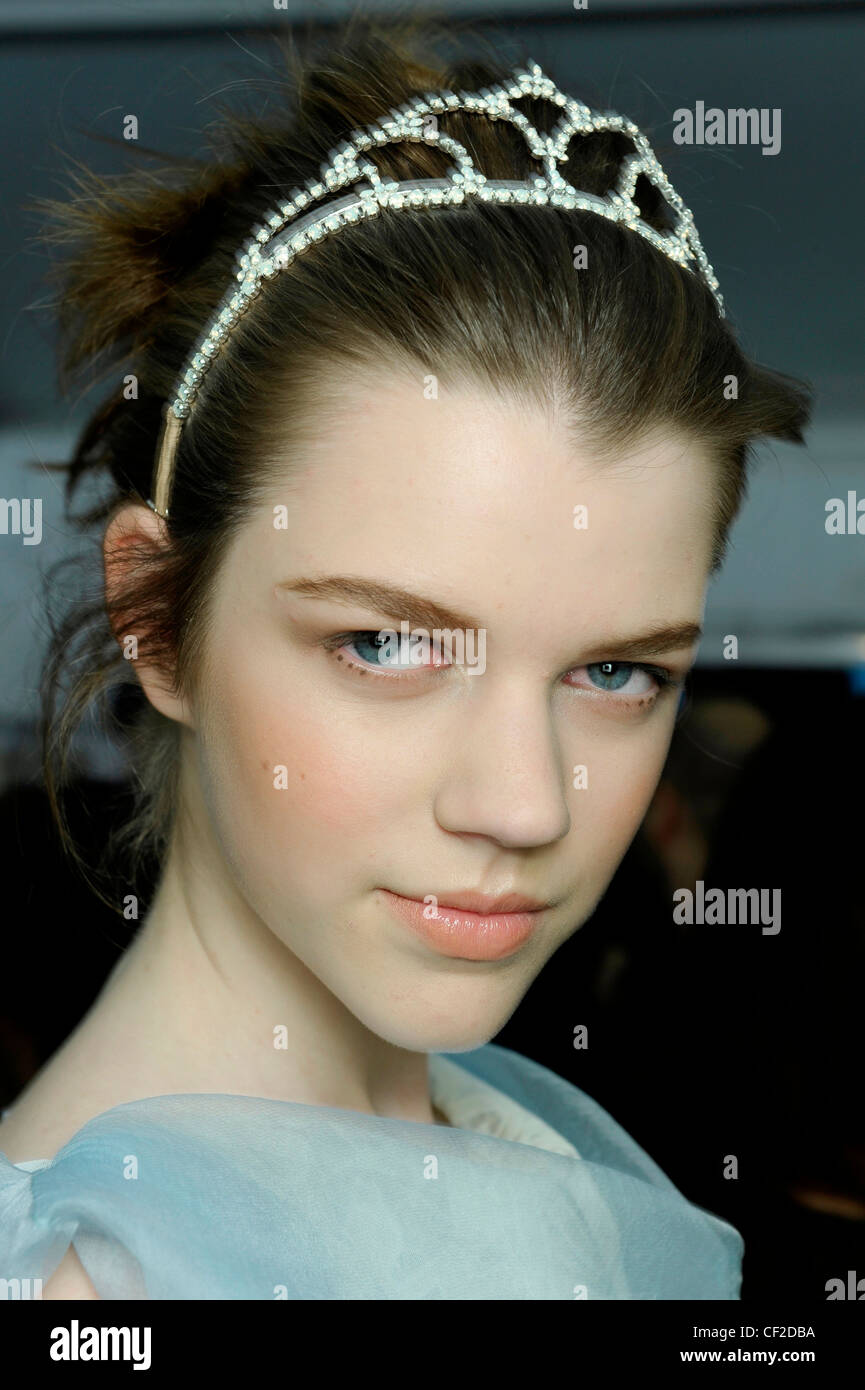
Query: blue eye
[
  {"x": 635, "y": 680},
  {"x": 610, "y": 675},
  {"x": 369, "y": 646},
  {"x": 377, "y": 654}
]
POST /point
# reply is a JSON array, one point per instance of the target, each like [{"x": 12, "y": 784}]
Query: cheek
[
  {"x": 291, "y": 782},
  {"x": 626, "y": 775}
]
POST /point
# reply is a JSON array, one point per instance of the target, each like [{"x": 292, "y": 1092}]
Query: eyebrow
[
  {"x": 402, "y": 605},
  {"x": 386, "y": 599}
]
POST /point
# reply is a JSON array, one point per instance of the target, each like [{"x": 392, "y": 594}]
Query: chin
[{"x": 430, "y": 1029}]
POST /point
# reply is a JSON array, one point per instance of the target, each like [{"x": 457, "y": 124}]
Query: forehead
[{"x": 472, "y": 499}]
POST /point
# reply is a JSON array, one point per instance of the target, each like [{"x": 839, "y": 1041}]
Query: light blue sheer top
[{"x": 536, "y": 1193}]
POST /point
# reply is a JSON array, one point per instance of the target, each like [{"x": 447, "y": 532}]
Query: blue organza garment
[{"x": 230, "y": 1197}]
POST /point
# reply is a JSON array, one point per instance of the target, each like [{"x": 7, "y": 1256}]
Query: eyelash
[{"x": 663, "y": 677}]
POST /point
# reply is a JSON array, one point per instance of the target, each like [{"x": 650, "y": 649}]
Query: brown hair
[{"x": 482, "y": 291}]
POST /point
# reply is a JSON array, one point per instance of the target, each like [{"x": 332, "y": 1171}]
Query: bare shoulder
[
  {"x": 40, "y": 1121},
  {"x": 54, "y": 1105},
  {"x": 90, "y": 1072},
  {"x": 69, "y": 1280},
  {"x": 81, "y": 1080}
]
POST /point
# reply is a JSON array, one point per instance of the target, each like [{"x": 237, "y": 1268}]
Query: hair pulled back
[{"x": 481, "y": 292}]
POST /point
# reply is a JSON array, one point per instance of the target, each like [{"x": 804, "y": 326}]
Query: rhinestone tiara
[{"x": 297, "y": 224}]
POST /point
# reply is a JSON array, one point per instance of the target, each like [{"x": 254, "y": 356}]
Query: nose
[{"x": 505, "y": 777}]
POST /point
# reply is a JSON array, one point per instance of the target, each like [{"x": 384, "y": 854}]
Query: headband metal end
[{"x": 164, "y": 474}]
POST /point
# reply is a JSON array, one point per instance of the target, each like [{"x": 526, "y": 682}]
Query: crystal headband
[{"x": 295, "y": 225}]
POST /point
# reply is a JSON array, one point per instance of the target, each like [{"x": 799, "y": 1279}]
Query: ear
[{"x": 134, "y": 535}]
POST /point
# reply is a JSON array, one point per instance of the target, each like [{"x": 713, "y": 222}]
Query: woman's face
[{"x": 332, "y": 782}]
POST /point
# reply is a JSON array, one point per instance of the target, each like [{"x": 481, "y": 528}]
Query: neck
[{"x": 207, "y": 998}]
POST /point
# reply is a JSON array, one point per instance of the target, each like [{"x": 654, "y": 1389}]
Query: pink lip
[{"x": 458, "y": 930}]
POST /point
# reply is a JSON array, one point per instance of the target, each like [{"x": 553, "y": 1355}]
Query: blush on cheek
[{"x": 289, "y": 786}]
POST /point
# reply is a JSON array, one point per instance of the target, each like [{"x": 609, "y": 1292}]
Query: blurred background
[{"x": 703, "y": 1042}]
